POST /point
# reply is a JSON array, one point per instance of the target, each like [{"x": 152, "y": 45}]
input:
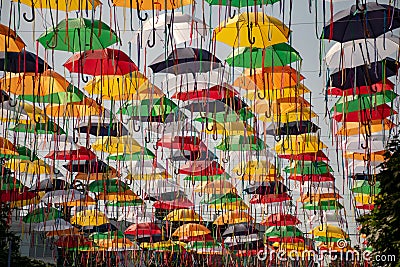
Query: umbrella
[
  {"x": 308, "y": 167},
  {"x": 280, "y": 219},
  {"x": 72, "y": 241},
  {"x": 85, "y": 108},
  {"x": 292, "y": 128},
  {"x": 148, "y": 5},
  {"x": 190, "y": 230},
  {"x": 359, "y": 52},
  {"x": 364, "y": 75},
  {"x": 362, "y": 90},
  {"x": 144, "y": 154},
  {"x": 298, "y": 144},
  {"x": 143, "y": 229},
  {"x": 82, "y": 153},
  {"x": 90, "y": 167},
  {"x": 114, "y": 145},
  {"x": 183, "y": 215},
  {"x": 108, "y": 186},
  {"x": 274, "y": 55},
  {"x": 241, "y": 3},
  {"x": 50, "y": 184},
  {"x": 42, "y": 215},
  {"x": 365, "y": 187},
  {"x": 278, "y": 232},
  {"x": 265, "y": 188},
  {"x": 328, "y": 232},
  {"x": 89, "y": 218},
  {"x": 28, "y": 166},
  {"x": 286, "y": 92},
  {"x": 241, "y": 143},
  {"x": 364, "y": 116},
  {"x": 69, "y": 5},
  {"x": 254, "y": 29},
  {"x": 48, "y": 127},
  {"x": 79, "y": 34},
  {"x": 233, "y": 217},
  {"x": 179, "y": 201},
  {"x": 270, "y": 198},
  {"x": 312, "y": 156},
  {"x": 9, "y": 40},
  {"x": 216, "y": 92},
  {"x": 322, "y": 205},
  {"x": 241, "y": 229},
  {"x": 62, "y": 196},
  {"x": 185, "y": 60},
  {"x": 369, "y": 20},
  {"x": 357, "y": 128},
  {"x": 101, "y": 62},
  {"x": 7, "y": 147},
  {"x": 23, "y": 61},
  {"x": 98, "y": 128}
]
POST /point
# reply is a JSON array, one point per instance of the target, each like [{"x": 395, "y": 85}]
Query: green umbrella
[
  {"x": 73, "y": 94},
  {"x": 199, "y": 178},
  {"x": 109, "y": 186},
  {"x": 322, "y": 205},
  {"x": 38, "y": 128},
  {"x": 241, "y": 143},
  {"x": 106, "y": 235},
  {"x": 363, "y": 187},
  {"x": 241, "y": 3},
  {"x": 362, "y": 102},
  {"x": 215, "y": 199},
  {"x": 222, "y": 117},
  {"x": 155, "y": 110},
  {"x": 198, "y": 245},
  {"x": 328, "y": 239},
  {"x": 131, "y": 203},
  {"x": 308, "y": 167},
  {"x": 283, "y": 231},
  {"x": 275, "y": 55},
  {"x": 145, "y": 155},
  {"x": 42, "y": 214},
  {"x": 24, "y": 153},
  {"x": 10, "y": 183},
  {"x": 79, "y": 34}
]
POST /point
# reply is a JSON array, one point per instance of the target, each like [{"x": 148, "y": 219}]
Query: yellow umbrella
[
  {"x": 162, "y": 245},
  {"x": 27, "y": 166},
  {"x": 69, "y": 231},
  {"x": 306, "y": 197},
  {"x": 128, "y": 195},
  {"x": 356, "y": 128},
  {"x": 378, "y": 156},
  {"x": 9, "y": 41},
  {"x": 233, "y": 217},
  {"x": 302, "y": 114},
  {"x": 274, "y": 94},
  {"x": 148, "y": 176},
  {"x": 89, "y": 218},
  {"x": 298, "y": 144},
  {"x": 254, "y": 29},
  {"x": 84, "y": 108},
  {"x": 87, "y": 201},
  {"x": 229, "y": 128},
  {"x": 329, "y": 231},
  {"x": 149, "y": 5},
  {"x": 216, "y": 187},
  {"x": 116, "y": 87},
  {"x": 66, "y": 5},
  {"x": 365, "y": 199},
  {"x": 147, "y": 90},
  {"x": 41, "y": 84},
  {"x": 190, "y": 230},
  {"x": 23, "y": 113},
  {"x": 183, "y": 215},
  {"x": 258, "y": 171},
  {"x": 115, "y": 244},
  {"x": 27, "y": 202},
  {"x": 117, "y": 145},
  {"x": 230, "y": 206}
]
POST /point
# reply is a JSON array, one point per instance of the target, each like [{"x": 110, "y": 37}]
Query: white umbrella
[
  {"x": 216, "y": 76},
  {"x": 135, "y": 216},
  {"x": 359, "y": 52},
  {"x": 62, "y": 196},
  {"x": 53, "y": 225},
  {"x": 180, "y": 27}
]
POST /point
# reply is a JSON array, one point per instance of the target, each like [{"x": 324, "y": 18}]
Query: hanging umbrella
[
  {"x": 278, "y": 233},
  {"x": 62, "y": 196},
  {"x": 312, "y": 156},
  {"x": 114, "y": 145},
  {"x": 148, "y": 5},
  {"x": 233, "y": 217},
  {"x": 99, "y": 128},
  {"x": 294, "y": 91},
  {"x": 216, "y": 187},
  {"x": 42, "y": 215},
  {"x": 241, "y": 3},
  {"x": 144, "y": 154},
  {"x": 69, "y": 5},
  {"x": 89, "y": 218},
  {"x": 308, "y": 167},
  {"x": 108, "y": 186},
  {"x": 364, "y": 75},
  {"x": 143, "y": 229},
  {"x": 298, "y": 114},
  {"x": 23, "y": 61},
  {"x": 216, "y": 92},
  {"x": 85, "y": 108},
  {"x": 50, "y": 184},
  {"x": 27, "y": 166},
  {"x": 101, "y": 62},
  {"x": 251, "y": 29},
  {"x": 179, "y": 201},
  {"x": 270, "y": 198},
  {"x": 369, "y": 20},
  {"x": 185, "y": 60},
  {"x": 280, "y": 219},
  {"x": 359, "y": 52},
  {"x": 183, "y": 215},
  {"x": 322, "y": 205},
  {"x": 326, "y": 177},
  {"x": 180, "y": 28},
  {"x": 201, "y": 168},
  {"x": 292, "y": 128},
  {"x": 330, "y": 232},
  {"x": 364, "y": 116},
  {"x": 357, "y": 128},
  {"x": 241, "y": 229},
  {"x": 94, "y": 167},
  {"x": 275, "y": 55},
  {"x": 266, "y": 188},
  {"x": 365, "y": 187},
  {"x": 7, "y": 147},
  {"x": 298, "y": 144},
  {"x": 190, "y": 230},
  {"x": 79, "y": 34},
  {"x": 9, "y": 40},
  {"x": 48, "y": 127},
  {"x": 362, "y": 90},
  {"x": 241, "y": 143},
  {"x": 82, "y": 153}
]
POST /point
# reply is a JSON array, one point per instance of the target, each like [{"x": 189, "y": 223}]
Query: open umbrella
[
  {"x": 9, "y": 40},
  {"x": 42, "y": 215},
  {"x": 23, "y": 61}
]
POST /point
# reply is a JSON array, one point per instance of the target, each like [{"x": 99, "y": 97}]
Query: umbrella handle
[
  {"x": 138, "y": 11},
  {"x": 231, "y": 15},
  {"x": 134, "y": 127},
  {"x": 277, "y": 137},
  {"x": 368, "y": 158},
  {"x": 252, "y": 39},
  {"x": 12, "y": 105},
  {"x": 176, "y": 171},
  {"x": 226, "y": 159},
  {"x": 147, "y": 138},
  {"x": 55, "y": 42},
  {"x": 156, "y": 147},
  {"x": 85, "y": 79},
  {"x": 99, "y": 101},
  {"x": 33, "y": 14},
  {"x": 75, "y": 139},
  {"x": 153, "y": 42},
  {"x": 365, "y": 146}
]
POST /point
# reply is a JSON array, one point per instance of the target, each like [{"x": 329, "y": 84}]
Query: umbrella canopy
[
  {"x": 98, "y": 128},
  {"x": 280, "y": 219},
  {"x": 241, "y": 143},
  {"x": 251, "y": 29},
  {"x": 23, "y": 61},
  {"x": 329, "y": 232},
  {"x": 357, "y": 128},
  {"x": 42, "y": 215},
  {"x": 362, "y": 21},
  {"x": 9, "y": 40},
  {"x": 50, "y": 184},
  {"x": 292, "y": 128},
  {"x": 241, "y": 229},
  {"x": 146, "y": 5},
  {"x": 322, "y": 205},
  {"x": 377, "y": 113},
  {"x": 364, "y": 187},
  {"x": 82, "y": 153},
  {"x": 114, "y": 145},
  {"x": 275, "y": 55},
  {"x": 241, "y": 3},
  {"x": 266, "y": 188},
  {"x": 190, "y": 230},
  {"x": 298, "y": 144},
  {"x": 89, "y": 218},
  {"x": 101, "y": 62},
  {"x": 68, "y": 5},
  {"x": 143, "y": 229},
  {"x": 362, "y": 90},
  {"x": 186, "y": 60},
  {"x": 283, "y": 232},
  {"x": 108, "y": 186},
  {"x": 62, "y": 196},
  {"x": 79, "y": 34},
  {"x": 183, "y": 215},
  {"x": 308, "y": 167},
  {"x": 233, "y": 217}
]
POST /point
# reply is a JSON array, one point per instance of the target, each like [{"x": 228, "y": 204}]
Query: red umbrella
[
  {"x": 279, "y": 219},
  {"x": 270, "y": 198},
  {"x": 377, "y": 113},
  {"x": 362, "y": 90},
  {"x": 319, "y": 156},
  {"x": 313, "y": 177},
  {"x": 211, "y": 169},
  {"x": 216, "y": 92},
  {"x": 288, "y": 239},
  {"x": 207, "y": 237},
  {"x": 101, "y": 62},
  {"x": 143, "y": 229},
  {"x": 365, "y": 206},
  {"x": 72, "y": 241},
  {"x": 82, "y": 153},
  {"x": 189, "y": 143},
  {"x": 180, "y": 203},
  {"x": 15, "y": 195}
]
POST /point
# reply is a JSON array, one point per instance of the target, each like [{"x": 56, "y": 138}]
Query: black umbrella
[
  {"x": 368, "y": 20},
  {"x": 103, "y": 129},
  {"x": 89, "y": 167},
  {"x": 4, "y": 96},
  {"x": 186, "y": 155},
  {"x": 48, "y": 185},
  {"x": 292, "y": 128},
  {"x": 364, "y": 75},
  {"x": 266, "y": 188},
  {"x": 239, "y": 229},
  {"x": 186, "y": 60},
  {"x": 23, "y": 61}
]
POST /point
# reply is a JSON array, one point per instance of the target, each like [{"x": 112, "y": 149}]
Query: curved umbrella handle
[
  {"x": 153, "y": 42},
  {"x": 156, "y": 147},
  {"x": 75, "y": 139},
  {"x": 138, "y": 12},
  {"x": 147, "y": 138},
  {"x": 99, "y": 101},
  {"x": 12, "y": 105},
  {"x": 54, "y": 45},
  {"x": 134, "y": 127},
  {"x": 231, "y": 15},
  {"x": 33, "y": 13},
  {"x": 251, "y": 38}
]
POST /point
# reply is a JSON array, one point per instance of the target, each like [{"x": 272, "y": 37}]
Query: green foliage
[
  {"x": 7, "y": 237},
  {"x": 382, "y": 225}
]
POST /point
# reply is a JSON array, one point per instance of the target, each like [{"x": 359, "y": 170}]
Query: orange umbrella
[
  {"x": 6, "y": 147},
  {"x": 318, "y": 197},
  {"x": 84, "y": 108},
  {"x": 233, "y": 217},
  {"x": 356, "y": 128},
  {"x": 9, "y": 41}
]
